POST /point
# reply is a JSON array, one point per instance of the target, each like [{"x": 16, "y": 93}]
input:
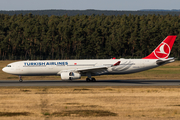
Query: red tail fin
[{"x": 164, "y": 49}]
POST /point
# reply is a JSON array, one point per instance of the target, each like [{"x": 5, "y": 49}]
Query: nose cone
[{"x": 4, "y": 69}]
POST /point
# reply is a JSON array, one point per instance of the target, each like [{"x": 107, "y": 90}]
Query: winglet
[
  {"x": 117, "y": 63},
  {"x": 164, "y": 49}
]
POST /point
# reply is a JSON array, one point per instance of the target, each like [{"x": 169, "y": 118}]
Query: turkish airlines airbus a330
[{"x": 74, "y": 69}]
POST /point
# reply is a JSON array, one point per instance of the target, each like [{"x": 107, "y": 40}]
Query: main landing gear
[
  {"x": 20, "y": 79},
  {"x": 90, "y": 80}
]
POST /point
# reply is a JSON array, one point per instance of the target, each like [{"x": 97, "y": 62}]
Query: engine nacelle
[{"x": 70, "y": 75}]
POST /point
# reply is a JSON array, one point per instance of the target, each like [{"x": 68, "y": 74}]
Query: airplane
[{"x": 74, "y": 69}]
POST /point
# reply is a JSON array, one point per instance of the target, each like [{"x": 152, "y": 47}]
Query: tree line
[
  {"x": 91, "y": 12},
  {"x": 84, "y": 37}
]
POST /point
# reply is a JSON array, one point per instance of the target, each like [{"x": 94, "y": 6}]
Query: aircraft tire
[
  {"x": 87, "y": 80},
  {"x": 93, "y": 80},
  {"x": 20, "y": 80}
]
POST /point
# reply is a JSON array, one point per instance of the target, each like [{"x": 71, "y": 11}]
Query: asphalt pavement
[{"x": 16, "y": 83}]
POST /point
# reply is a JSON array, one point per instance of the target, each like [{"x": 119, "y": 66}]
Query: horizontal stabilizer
[{"x": 164, "y": 61}]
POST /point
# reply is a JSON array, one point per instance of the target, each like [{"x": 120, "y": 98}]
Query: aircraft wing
[
  {"x": 95, "y": 68},
  {"x": 86, "y": 70},
  {"x": 91, "y": 69}
]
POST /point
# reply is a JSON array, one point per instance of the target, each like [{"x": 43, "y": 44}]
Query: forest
[
  {"x": 91, "y": 12},
  {"x": 29, "y": 36}
]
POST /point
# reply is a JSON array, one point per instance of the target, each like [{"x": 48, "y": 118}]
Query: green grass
[{"x": 162, "y": 72}]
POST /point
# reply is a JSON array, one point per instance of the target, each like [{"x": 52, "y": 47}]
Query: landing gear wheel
[
  {"x": 87, "y": 80},
  {"x": 20, "y": 80},
  {"x": 93, "y": 80},
  {"x": 90, "y": 80}
]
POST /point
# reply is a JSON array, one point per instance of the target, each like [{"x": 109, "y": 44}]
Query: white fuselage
[{"x": 55, "y": 67}]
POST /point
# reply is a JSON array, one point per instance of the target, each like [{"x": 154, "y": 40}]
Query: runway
[{"x": 16, "y": 83}]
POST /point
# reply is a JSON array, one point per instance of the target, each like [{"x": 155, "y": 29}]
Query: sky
[{"x": 88, "y": 4}]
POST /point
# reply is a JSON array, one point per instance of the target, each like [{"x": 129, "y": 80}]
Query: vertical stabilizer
[{"x": 163, "y": 50}]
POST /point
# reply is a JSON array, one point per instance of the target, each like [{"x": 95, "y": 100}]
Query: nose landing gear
[{"x": 20, "y": 79}]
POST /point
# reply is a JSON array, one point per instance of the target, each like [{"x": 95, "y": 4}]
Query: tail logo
[{"x": 162, "y": 51}]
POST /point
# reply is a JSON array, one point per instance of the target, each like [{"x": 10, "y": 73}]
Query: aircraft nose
[{"x": 4, "y": 69}]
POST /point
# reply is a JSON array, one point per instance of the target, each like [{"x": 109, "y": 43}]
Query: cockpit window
[{"x": 8, "y": 66}]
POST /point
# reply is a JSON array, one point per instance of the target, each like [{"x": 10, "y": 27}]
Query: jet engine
[{"x": 70, "y": 75}]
